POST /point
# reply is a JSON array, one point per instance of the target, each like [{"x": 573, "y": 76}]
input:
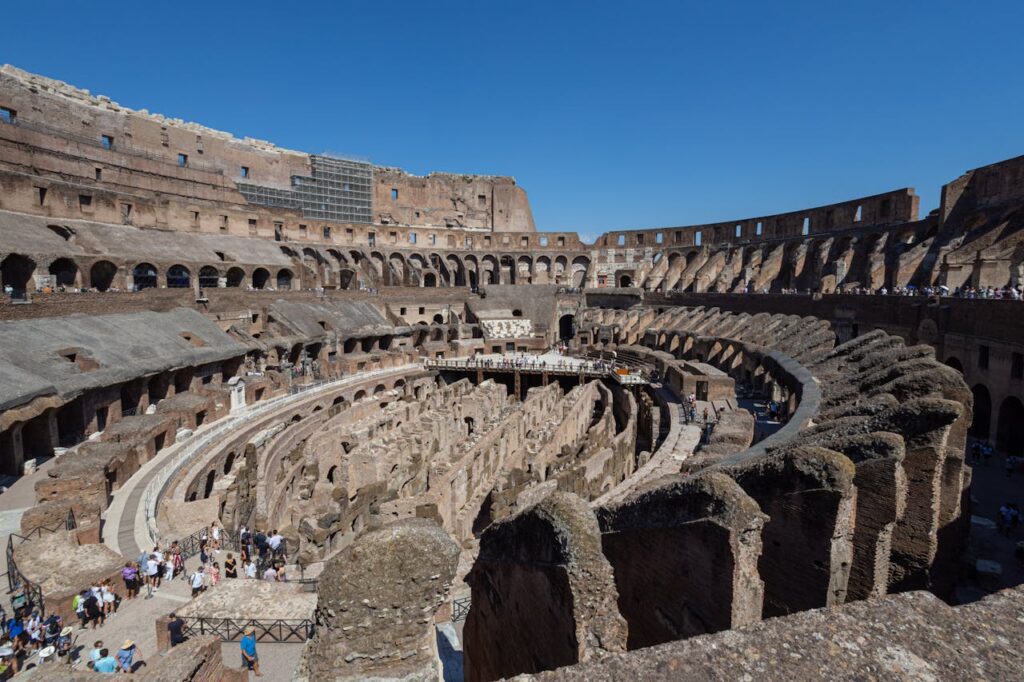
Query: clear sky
[{"x": 610, "y": 115}]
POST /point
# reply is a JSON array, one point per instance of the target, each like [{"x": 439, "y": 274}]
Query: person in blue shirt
[
  {"x": 249, "y": 658},
  {"x": 106, "y": 663},
  {"x": 125, "y": 655}
]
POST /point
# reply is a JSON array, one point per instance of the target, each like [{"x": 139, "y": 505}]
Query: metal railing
[
  {"x": 32, "y": 594},
  {"x": 460, "y": 609},
  {"x": 232, "y": 629},
  {"x": 583, "y": 368}
]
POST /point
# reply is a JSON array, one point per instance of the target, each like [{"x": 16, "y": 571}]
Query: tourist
[
  {"x": 152, "y": 575},
  {"x": 126, "y": 655},
  {"x": 176, "y": 626},
  {"x": 197, "y": 582},
  {"x": 204, "y": 556},
  {"x": 274, "y": 542},
  {"x": 173, "y": 561},
  {"x": 215, "y": 536},
  {"x": 281, "y": 577},
  {"x": 250, "y": 660},
  {"x": 97, "y": 651},
  {"x": 105, "y": 663},
  {"x": 213, "y": 571},
  {"x": 109, "y": 599},
  {"x": 78, "y": 604},
  {"x": 130, "y": 575},
  {"x": 230, "y": 567},
  {"x": 94, "y": 610},
  {"x": 250, "y": 569},
  {"x": 270, "y": 574}
]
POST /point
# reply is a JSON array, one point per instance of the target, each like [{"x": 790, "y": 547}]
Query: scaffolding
[{"x": 337, "y": 189}]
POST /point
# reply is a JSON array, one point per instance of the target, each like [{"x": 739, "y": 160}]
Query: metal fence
[
  {"x": 31, "y": 593},
  {"x": 460, "y": 609},
  {"x": 232, "y": 629}
]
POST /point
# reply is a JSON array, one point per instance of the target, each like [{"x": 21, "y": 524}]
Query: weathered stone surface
[
  {"x": 376, "y": 604},
  {"x": 543, "y": 593},
  {"x": 911, "y": 636}
]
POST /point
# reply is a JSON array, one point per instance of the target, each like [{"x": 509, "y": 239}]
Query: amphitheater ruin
[{"x": 727, "y": 451}]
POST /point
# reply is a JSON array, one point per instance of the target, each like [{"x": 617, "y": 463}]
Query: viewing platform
[{"x": 546, "y": 364}]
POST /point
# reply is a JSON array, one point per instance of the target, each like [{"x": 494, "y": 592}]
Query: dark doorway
[
  {"x": 981, "y": 424},
  {"x": 566, "y": 327}
]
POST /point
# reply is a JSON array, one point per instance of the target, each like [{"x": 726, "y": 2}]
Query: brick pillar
[{"x": 163, "y": 636}]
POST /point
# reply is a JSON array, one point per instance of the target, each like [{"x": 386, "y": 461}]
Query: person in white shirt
[
  {"x": 152, "y": 575},
  {"x": 250, "y": 569},
  {"x": 197, "y": 582}
]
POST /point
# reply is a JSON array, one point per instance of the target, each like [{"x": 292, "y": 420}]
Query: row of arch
[
  {"x": 1008, "y": 432},
  {"x": 17, "y": 272}
]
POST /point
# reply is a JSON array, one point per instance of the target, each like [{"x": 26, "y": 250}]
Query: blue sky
[{"x": 611, "y": 115}]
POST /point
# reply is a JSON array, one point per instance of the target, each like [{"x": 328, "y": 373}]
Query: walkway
[
  {"x": 547, "y": 363},
  {"x": 128, "y": 512}
]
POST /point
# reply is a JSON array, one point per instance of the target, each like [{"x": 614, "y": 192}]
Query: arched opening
[
  {"x": 284, "y": 279},
  {"x": 210, "y": 480},
  {"x": 1009, "y": 433},
  {"x": 209, "y": 278},
  {"x": 260, "y": 276},
  {"x": 144, "y": 276},
  {"x": 378, "y": 389},
  {"x": 16, "y": 272},
  {"x": 625, "y": 281},
  {"x": 236, "y": 276},
  {"x": 955, "y": 364},
  {"x": 64, "y": 271},
  {"x": 157, "y": 388},
  {"x": 981, "y": 423},
  {"x": 438, "y": 319},
  {"x": 101, "y": 275},
  {"x": 358, "y": 396},
  {"x": 566, "y": 327},
  {"x": 430, "y": 280},
  {"x": 229, "y": 462},
  {"x": 178, "y": 277},
  {"x": 331, "y": 472},
  {"x": 470, "y": 425}
]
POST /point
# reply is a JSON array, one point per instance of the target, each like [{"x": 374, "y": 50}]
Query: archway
[
  {"x": 566, "y": 325},
  {"x": 955, "y": 364},
  {"x": 144, "y": 276},
  {"x": 64, "y": 271},
  {"x": 16, "y": 272},
  {"x": 980, "y": 425},
  {"x": 429, "y": 280},
  {"x": 1009, "y": 434},
  {"x": 284, "y": 278},
  {"x": 178, "y": 277},
  {"x": 209, "y": 278},
  {"x": 259, "y": 278},
  {"x": 625, "y": 281},
  {"x": 235, "y": 277},
  {"x": 210, "y": 479},
  {"x": 101, "y": 275}
]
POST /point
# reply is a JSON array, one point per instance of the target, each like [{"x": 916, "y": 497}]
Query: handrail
[
  {"x": 232, "y": 629},
  {"x": 15, "y": 578}
]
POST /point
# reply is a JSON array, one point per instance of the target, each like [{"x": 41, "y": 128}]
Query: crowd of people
[{"x": 1014, "y": 293}]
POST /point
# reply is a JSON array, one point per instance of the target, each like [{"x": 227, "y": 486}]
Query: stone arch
[
  {"x": 211, "y": 478},
  {"x": 430, "y": 280},
  {"x": 101, "y": 275},
  {"x": 260, "y": 277},
  {"x": 981, "y": 423},
  {"x": 178, "y": 277},
  {"x": 954, "y": 362},
  {"x": 209, "y": 277},
  {"x": 284, "y": 278},
  {"x": 625, "y": 281},
  {"x": 144, "y": 276},
  {"x": 235, "y": 277},
  {"x": 360, "y": 395},
  {"x": 1009, "y": 434},
  {"x": 16, "y": 272},
  {"x": 580, "y": 265},
  {"x": 65, "y": 272}
]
